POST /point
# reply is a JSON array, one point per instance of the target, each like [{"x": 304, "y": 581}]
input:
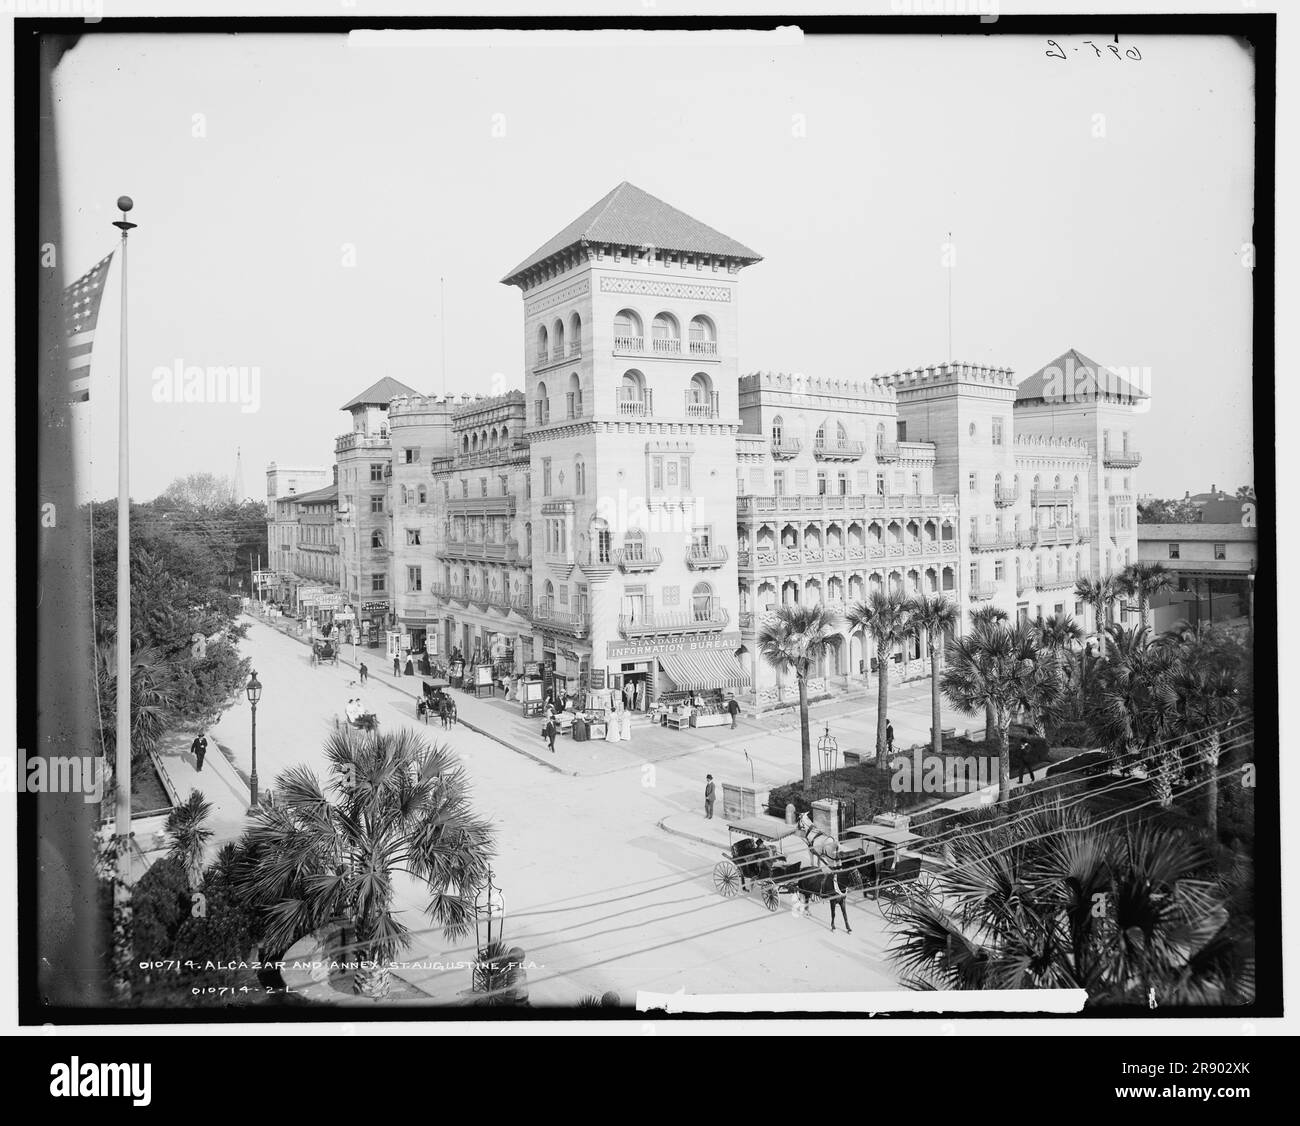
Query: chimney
[
  {"x": 336, "y": 473},
  {"x": 1214, "y": 490}
]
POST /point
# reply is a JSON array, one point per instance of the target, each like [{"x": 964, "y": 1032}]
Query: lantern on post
[{"x": 828, "y": 750}]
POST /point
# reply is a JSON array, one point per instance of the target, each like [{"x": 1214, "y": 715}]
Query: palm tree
[
  {"x": 1100, "y": 594},
  {"x": 999, "y": 668},
  {"x": 885, "y": 617},
  {"x": 989, "y": 614},
  {"x": 934, "y": 616},
  {"x": 397, "y": 804},
  {"x": 190, "y": 836},
  {"x": 153, "y": 699},
  {"x": 1060, "y": 635},
  {"x": 1144, "y": 580},
  {"x": 1017, "y": 910},
  {"x": 794, "y": 640}
]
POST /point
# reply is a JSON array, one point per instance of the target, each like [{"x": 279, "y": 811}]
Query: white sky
[{"x": 1127, "y": 247}]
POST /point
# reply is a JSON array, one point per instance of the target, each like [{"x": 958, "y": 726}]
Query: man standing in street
[
  {"x": 365, "y": 672},
  {"x": 708, "y": 797},
  {"x": 397, "y": 665},
  {"x": 200, "y": 748},
  {"x": 734, "y": 709},
  {"x": 548, "y": 732},
  {"x": 889, "y": 737}
]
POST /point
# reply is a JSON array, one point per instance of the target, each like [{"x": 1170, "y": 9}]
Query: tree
[
  {"x": 1100, "y": 594},
  {"x": 1245, "y": 492},
  {"x": 190, "y": 836},
  {"x": 1017, "y": 910},
  {"x": 934, "y": 617},
  {"x": 885, "y": 618},
  {"x": 1143, "y": 580},
  {"x": 1060, "y": 635},
  {"x": 794, "y": 641},
  {"x": 395, "y": 804},
  {"x": 1168, "y": 512},
  {"x": 199, "y": 490},
  {"x": 998, "y": 668},
  {"x": 153, "y": 700}
]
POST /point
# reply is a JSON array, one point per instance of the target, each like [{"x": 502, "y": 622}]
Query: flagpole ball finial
[{"x": 125, "y": 203}]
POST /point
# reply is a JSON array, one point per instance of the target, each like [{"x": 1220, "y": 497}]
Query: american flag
[{"x": 80, "y": 315}]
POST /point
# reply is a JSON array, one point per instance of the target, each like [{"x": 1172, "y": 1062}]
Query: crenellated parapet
[
  {"x": 810, "y": 390},
  {"x": 946, "y": 378}
]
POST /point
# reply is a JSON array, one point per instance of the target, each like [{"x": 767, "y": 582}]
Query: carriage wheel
[
  {"x": 726, "y": 878},
  {"x": 771, "y": 897}
]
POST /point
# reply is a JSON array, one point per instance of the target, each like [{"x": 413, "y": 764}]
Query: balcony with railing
[
  {"x": 1050, "y": 496},
  {"x": 653, "y": 621},
  {"x": 558, "y": 355},
  {"x": 500, "y": 551},
  {"x": 359, "y": 441},
  {"x": 631, "y": 403},
  {"x": 705, "y": 558},
  {"x": 701, "y": 406},
  {"x": 1120, "y": 459},
  {"x": 786, "y": 449},
  {"x": 1060, "y": 535},
  {"x": 521, "y": 604},
  {"x": 839, "y": 451},
  {"x": 886, "y": 451},
  {"x": 632, "y": 560},
  {"x": 982, "y": 590},
  {"x": 575, "y": 622},
  {"x": 481, "y": 506},
  {"x": 828, "y": 505},
  {"x": 629, "y": 345},
  {"x": 708, "y": 349},
  {"x": 1004, "y": 495},
  {"x": 666, "y": 346},
  {"x": 994, "y": 541},
  {"x": 1065, "y": 578}
]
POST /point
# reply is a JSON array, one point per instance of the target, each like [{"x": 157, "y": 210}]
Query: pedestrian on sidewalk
[
  {"x": 734, "y": 709},
  {"x": 200, "y": 748},
  {"x": 1025, "y": 768},
  {"x": 548, "y": 732},
  {"x": 365, "y": 672},
  {"x": 889, "y": 736},
  {"x": 397, "y": 665},
  {"x": 708, "y": 797}
]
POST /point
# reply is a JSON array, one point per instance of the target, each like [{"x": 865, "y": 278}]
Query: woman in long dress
[
  {"x": 614, "y": 725},
  {"x": 626, "y": 732}
]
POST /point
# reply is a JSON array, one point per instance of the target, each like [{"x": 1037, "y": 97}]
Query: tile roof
[
  {"x": 378, "y": 394},
  {"x": 329, "y": 492},
  {"x": 627, "y": 216},
  {"x": 1075, "y": 377}
]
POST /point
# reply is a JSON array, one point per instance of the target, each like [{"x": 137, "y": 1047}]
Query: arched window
[
  {"x": 376, "y": 539},
  {"x": 841, "y": 435},
  {"x": 575, "y": 335},
  {"x": 704, "y": 338},
  {"x": 634, "y": 545},
  {"x": 997, "y": 480},
  {"x": 543, "y": 350},
  {"x": 1036, "y": 480},
  {"x": 819, "y": 439},
  {"x": 631, "y": 396},
  {"x": 579, "y": 476},
  {"x": 702, "y": 602},
  {"x": 574, "y": 398},
  {"x": 557, "y": 341},
  {"x": 778, "y": 428},
  {"x": 464, "y": 443},
  {"x": 542, "y": 405},
  {"x": 424, "y": 496},
  {"x": 601, "y": 541},
  {"x": 473, "y": 443},
  {"x": 505, "y": 434},
  {"x": 1058, "y": 482},
  {"x": 528, "y": 540},
  {"x": 495, "y": 438},
  {"x": 880, "y": 435},
  {"x": 700, "y": 399},
  {"x": 548, "y": 595},
  {"x": 666, "y": 335},
  {"x": 627, "y": 332}
]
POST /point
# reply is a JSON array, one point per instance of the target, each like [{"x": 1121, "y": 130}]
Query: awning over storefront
[{"x": 708, "y": 668}]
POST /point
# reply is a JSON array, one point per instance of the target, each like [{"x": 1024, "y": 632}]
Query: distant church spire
[{"x": 237, "y": 484}]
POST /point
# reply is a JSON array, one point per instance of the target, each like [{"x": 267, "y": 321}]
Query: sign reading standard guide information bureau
[{"x": 654, "y": 648}]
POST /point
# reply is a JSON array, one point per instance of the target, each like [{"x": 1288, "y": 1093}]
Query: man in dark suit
[
  {"x": 200, "y": 748},
  {"x": 708, "y": 797}
]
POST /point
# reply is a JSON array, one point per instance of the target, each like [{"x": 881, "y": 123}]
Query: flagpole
[{"x": 123, "y": 764}]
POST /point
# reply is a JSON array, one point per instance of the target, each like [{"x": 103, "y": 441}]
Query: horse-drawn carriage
[
  {"x": 756, "y": 861},
  {"x": 324, "y": 651},
  {"x": 869, "y": 857},
  {"x": 436, "y": 701},
  {"x": 359, "y": 716}
]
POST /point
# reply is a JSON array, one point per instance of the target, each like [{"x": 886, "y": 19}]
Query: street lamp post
[{"x": 254, "y": 691}]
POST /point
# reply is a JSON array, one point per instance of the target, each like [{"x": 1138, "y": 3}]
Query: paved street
[{"x": 599, "y": 895}]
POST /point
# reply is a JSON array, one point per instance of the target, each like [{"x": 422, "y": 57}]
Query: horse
[
  {"x": 823, "y": 885},
  {"x": 821, "y": 845}
]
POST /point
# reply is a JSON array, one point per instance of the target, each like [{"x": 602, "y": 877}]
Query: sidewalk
[{"x": 219, "y": 782}]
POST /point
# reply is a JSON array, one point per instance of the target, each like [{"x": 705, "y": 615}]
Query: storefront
[
  {"x": 373, "y": 622},
  {"x": 650, "y": 671}
]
